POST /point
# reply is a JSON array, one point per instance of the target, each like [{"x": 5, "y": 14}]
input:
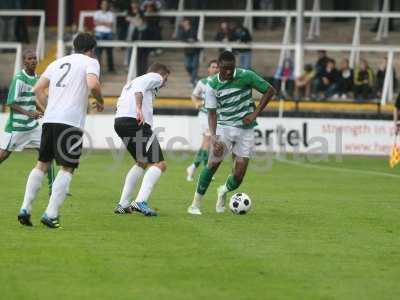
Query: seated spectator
[
  {"x": 188, "y": 34},
  {"x": 363, "y": 82},
  {"x": 284, "y": 77},
  {"x": 320, "y": 67},
  {"x": 242, "y": 35},
  {"x": 224, "y": 34},
  {"x": 104, "y": 21},
  {"x": 330, "y": 79},
  {"x": 303, "y": 83},
  {"x": 380, "y": 77},
  {"x": 346, "y": 79}
]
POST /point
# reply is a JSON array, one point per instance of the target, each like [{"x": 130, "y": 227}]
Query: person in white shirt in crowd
[
  {"x": 133, "y": 124},
  {"x": 104, "y": 20},
  {"x": 69, "y": 81}
]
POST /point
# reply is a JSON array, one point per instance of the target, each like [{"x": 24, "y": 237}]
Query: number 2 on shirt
[{"x": 59, "y": 82}]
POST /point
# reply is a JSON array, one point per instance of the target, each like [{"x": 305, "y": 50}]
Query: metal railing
[
  {"x": 18, "y": 53},
  {"x": 40, "y": 43},
  {"x": 387, "y": 92}
]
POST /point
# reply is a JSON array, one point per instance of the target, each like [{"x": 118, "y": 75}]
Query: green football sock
[
  {"x": 231, "y": 183},
  {"x": 204, "y": 180},
  {"x": 199, "y": 158},
  {"x": 51, "y": 176},
  {"x": 205, "y": 157}
]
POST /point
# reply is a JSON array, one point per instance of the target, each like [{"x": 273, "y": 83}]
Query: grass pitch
[{"x": 325, "y": 230}]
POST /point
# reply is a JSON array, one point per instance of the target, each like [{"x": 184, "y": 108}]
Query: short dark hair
[
  {"x": 84, "y": 42},
  {"x": 213, "y": 61},
  {"x": 159, "y": 68},
  {"x": 27, "y": 52},
  {"x": 226, "y": 56}
]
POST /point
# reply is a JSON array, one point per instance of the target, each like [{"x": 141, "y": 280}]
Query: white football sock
[
  {"x": 131, "y": 179},
  {"x": 32, "y": 188},
  {"x": 149, "y": 180},
  {"x": 60, "y": 188},
  {"x": 197, "y": 199}
]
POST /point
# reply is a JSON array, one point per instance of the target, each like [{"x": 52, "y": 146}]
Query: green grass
[{"x": 316, "y": 231}]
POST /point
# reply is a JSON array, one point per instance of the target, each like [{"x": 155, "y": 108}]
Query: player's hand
[
  {"x": 35, "y": 114},
  {"x": 248, "y": 119},
  {"x": 199, "y": 104},
  {"x": 217, "y": 146},
  {"x": 139, "y": 117},
  {"x": 98, "y": 106}
]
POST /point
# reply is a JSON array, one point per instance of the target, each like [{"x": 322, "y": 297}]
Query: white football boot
[
  {"x": 221, "y": 198},
  {"x": 194, "y": 210}
]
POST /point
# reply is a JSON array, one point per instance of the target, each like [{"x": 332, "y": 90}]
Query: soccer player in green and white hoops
[
  {"x": 230, "y": 105},
  {"x": 22, "y": 128},
  {"x": 198, "y": 97}
]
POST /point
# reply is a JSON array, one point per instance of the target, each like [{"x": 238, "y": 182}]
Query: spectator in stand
[
  {"x": 188, "y": 34},
  {"x": 153, "y": 22},
  {"x": 142, "y": 33},
  {"x": 21, "y": 31},
  {"x": 134, "y": 19},
  {"x": 363, "y": 82},
  {"x": 330, "y": 79},
  {"x": 104, "y": 22},
  {"x": 284, "y": 78},
  {"x": 242, "y": 35},
  {"x": 320, "y": 67},
  {"x": 224, "y": 34},
  {"x": 346, "y": 79},
  {"x": 380, "y": 77},
  {"x": 303, "y": 83}
]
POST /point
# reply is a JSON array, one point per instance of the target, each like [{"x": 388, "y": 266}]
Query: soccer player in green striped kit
[
  {"x": 232, "y": 116},
  {"x": 198, "y": 97},
  {"x": 22, "y": 128}
]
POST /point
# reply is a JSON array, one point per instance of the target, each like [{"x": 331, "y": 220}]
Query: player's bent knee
[
  {"x": 68, "y": 169},
  {"x": 42, "y": 166}
]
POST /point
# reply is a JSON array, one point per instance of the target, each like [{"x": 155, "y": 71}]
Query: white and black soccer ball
[{"x": 240, "y": 203}]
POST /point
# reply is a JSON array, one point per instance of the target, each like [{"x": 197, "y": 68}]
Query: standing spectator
[
  {"x": 303, "y": 83},
  {"x": 363, "y": 81},
  {"x": 134, "y": 19},
  {"x": 284, "y": 77},
  {"x": 242, "y": 35},
  {"x": 142, "y": 33},
  {"x": 21, "y": 31},
  {"x": 7, "y": 23},
  {"x": 189, "y": 35},
  {"x": 104, "y": 22},
  {"x": 380, "y": 77},
  {"x": 346, "y": 79},
  {"x": 224, "y": 34},
  {"x": 330, "y": 78}
]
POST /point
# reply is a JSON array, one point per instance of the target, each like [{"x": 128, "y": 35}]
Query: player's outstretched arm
[
  {"x": 265, "y": 99},
  {"x": 95, "y": 89},
  {"x": 31, "y": 114}
]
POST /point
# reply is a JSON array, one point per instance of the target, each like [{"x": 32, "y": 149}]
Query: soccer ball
[{"x": 240, "y": 203}]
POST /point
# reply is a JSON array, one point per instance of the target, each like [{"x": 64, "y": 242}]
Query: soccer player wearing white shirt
[
  {"x": 69, "y": 80},
  {"x": 198, "y": 97},
  {"x": 133, "y": 124}
]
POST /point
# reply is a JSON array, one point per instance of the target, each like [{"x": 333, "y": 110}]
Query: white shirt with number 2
[{"x": 68, "y": 90}]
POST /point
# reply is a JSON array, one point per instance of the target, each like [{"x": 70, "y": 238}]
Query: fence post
[
  {"x": 299, "y": 53},
  {"x": 60, "y": 28},
  {"x": 248, "y": 20},
  {"x": 18, "y": 59},
  {"x": 132, "y": 73},
  {"x": 355, "y": 54},
  {"x": 315, "y": 23},
  {"x": 285, "y": 40},
  {"x": 388, "y": 78},
  {"x": 383, "y": 28},
  {"x": 181, "y": 6}
]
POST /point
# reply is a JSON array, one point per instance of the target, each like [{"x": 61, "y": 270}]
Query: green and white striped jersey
[
  {"x": 20, "y": 93},
  {"x": 233, "y": 99},
  {"x": 200, "y": 91}
]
